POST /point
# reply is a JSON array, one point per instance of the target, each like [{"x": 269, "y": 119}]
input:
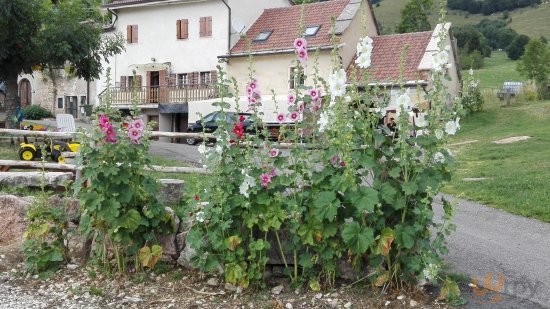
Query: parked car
[{"x": 209, "y": 124}]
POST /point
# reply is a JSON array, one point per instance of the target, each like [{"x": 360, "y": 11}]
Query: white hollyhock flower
[
  {"x": 363, "y": 61},
  {"x": 337, "y": 90},
  {"x": 450, "y": 127},
  {"x": 420, "y": 120},
  {"x": 200, "y": 216},
  {"x": 431, "y": 271},
  {"x": 324, "y": 121},
  {"x": 440, "y": 60},
  {"x": 366, "y": 41},
  {"x": 219, "y": 149},
  {"x": 403, "y": 101},
  {"x": 439, "y": 157},
  {"x": 202, "y": 149},
  {"x": 471, "y": 72}
]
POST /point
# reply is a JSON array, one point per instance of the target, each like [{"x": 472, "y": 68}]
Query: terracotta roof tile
[
  {"x": 284, "y": 24},
  {"x": 116, "y": 3},
  {"x": 386, "y": 56}
]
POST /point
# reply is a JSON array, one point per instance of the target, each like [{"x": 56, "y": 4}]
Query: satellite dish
[{"x": 237, "y": 26}]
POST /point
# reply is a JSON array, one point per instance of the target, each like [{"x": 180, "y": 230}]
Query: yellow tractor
[{"x": 52, "y": 149}]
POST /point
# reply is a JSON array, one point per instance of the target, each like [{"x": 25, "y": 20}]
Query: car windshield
[{"x": 208, "y": 118}]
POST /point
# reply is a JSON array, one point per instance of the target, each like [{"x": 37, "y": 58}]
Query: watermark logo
[{"x": 489, "y": 292}]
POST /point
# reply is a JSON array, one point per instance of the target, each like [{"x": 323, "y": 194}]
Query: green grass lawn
[
  {"x": 516, "y": 175},
  {"x": 497, "y": 69},
  {"x": 533, "y": 22}
]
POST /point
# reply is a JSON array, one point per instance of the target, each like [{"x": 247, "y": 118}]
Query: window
[
  {"x": 182, "y": 80},
  {"x": 132, "y": 34},
  {"x": 296, "y": 80},
  {"x": 59, "y": 102},
  {"x": 263, "y": 36},
  {"x": 205, "y": 26},
  {"x": 311, "y": 30},
  {"x": 83, "y": 100},
  {"x": 205, "y": 77},
  {"x": 182, "y": 29}
]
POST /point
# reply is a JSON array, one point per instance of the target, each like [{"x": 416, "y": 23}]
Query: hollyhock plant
[
  {"x": 291, "y": 99},
  {"x": 300, "y": 43},
  {"x": 134, "y": 135},
  {"x": 294, "y": 116},
  {"x": 238, "y": 129},
  {"x": 137, "y": 123},
  {"x": 302, "y": 55},
  {"x": 281, "y": 117}
]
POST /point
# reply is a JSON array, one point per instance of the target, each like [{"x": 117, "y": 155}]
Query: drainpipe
[
  {"x": 112, "y": 25},
  {"x": 228, "y": 28}
]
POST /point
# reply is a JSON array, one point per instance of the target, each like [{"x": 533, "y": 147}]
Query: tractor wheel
[
  {"x": 27, "y": 154},
  {"x": 57, "y": 157}
]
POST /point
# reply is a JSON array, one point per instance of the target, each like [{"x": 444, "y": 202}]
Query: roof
[
  {"x": 386, "y": 56},
  {"x": 284, "y": 24},
  {"x": 118, "y": 3}
]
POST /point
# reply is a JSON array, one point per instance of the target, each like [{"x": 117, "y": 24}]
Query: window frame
[
  {"x": 293, "y": 78},
  {"x": 317, "y": 27},
  {"x": 267, "y": 33}
]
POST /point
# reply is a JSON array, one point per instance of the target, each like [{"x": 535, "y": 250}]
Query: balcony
[{"x": 162, "y": 94}]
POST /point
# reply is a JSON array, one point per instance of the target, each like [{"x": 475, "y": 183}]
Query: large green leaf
[
  {"x": 326, "y": 205},
  {"x": 357, "y": 238},
  {"x": 365, "y": 199},
  {"x": 404, "y": 236}
]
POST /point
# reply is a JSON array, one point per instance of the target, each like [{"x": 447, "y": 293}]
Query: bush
[
  {"x": 36, "y": 112},
  {"x": 472, "y": 100},
  {"x": 474, "y": 60}
]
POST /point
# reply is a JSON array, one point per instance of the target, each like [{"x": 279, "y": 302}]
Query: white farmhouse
[{"x": 173, "y": 47}]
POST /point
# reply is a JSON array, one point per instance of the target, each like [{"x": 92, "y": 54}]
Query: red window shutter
[
  {"x": 184, "y": 28},
  {"x": 178, "y": 29},
  {"x": 209, "y": 26},
  {"x": 202, "y": 27},
  {"x": 134, "y": 34},
  {"x": 129, "y": 34}
]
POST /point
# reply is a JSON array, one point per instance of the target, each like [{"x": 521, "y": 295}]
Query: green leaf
[
  {"x": 131, "y": 220},
  {"x": 404, "y": 236},
  {"x": 366, "y": 200},
  {"x": 314, "y": 284},
  {"x": 326, "y": 205},
  {"x": 385, "y": 240},
  {"x": 357, "y": 238},
  {"x": 409, "y": 188},
  {"x": 387, "y": 192}
]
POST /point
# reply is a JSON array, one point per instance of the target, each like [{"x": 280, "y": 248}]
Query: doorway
[
  {"x": 25, "y": 92},
  {"x": 154, "y": 82},
  {"x": 71, "y": 105}
]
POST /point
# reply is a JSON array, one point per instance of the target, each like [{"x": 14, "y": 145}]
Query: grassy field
[
  {"x": 533, "y": 22},
  {"x": 515, "y": 176},
  {"x": 498, "y": 69}
]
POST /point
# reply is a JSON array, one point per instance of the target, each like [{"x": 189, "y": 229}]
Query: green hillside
[{"x": 533, "y": 22}]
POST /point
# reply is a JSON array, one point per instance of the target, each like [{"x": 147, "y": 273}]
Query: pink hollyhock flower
[
  {"x": 302, "y": 55},
  {"x": 274, "y": 152},
  {"x": 265, "y": 179},
  {"x": 272, "y": 172},
  {"x": 137, "y": 124},
  {"x": 294, "y": 116},
  {"x": 253, "y": 85},
  {"x": 301, "y": 107},
  {"x": 300, "y": 43},
  {"x": 103, "y": 120},
  {"x": 334, "y": 160},
  {"x": 252, "y": 101},
  {"x": 281, "y": 117},
  {"x": 291, "y": 98},
  {"x": 135, "y": 134},
  {"x": 314, "y": 94}
]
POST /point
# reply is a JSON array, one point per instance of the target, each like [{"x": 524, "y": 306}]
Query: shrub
[
  {"x": 36, "y": 112},
  {"x": 472, "y": 100},
  {"x": 474, "y": 60}
]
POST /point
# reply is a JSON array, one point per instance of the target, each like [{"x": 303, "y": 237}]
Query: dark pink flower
[
  {"x": 302, "y": 55},
  {"x": 294, "y": 116},
  {"x": 334, "y": 160},
  {"x": 300, "y": 43},
  {"x": 137, "y": 124},
  {"x": 135, "y": 134},
  {"x": 281, "y": 117},
  {"x": 265, "y": 179}
]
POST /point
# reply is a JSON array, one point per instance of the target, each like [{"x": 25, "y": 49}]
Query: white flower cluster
[
  {"x": 248, "y": 183},
  {"x": 452, "y": 126},
  {"x": 325, "y": 119},
  {"x": 364, "y": 53},
  {"x": 431, "y": 271},
  {"x": 440, "y": 60},
  {"x": 337, "y": 84}
]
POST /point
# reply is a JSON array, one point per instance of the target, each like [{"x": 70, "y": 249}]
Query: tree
[
  {"x": 516, "y": 49},
  {"x": 535, "y": 65},
  {"x": 50, "y": 34},
  {"x": 414, "y": 16}
]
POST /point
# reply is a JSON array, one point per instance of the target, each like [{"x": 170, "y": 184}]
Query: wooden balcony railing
[{"x": 163, "y": 94}]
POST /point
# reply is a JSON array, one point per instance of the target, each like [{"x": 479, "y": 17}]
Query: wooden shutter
[
  {"x": 184, "y": 28},
  {"x": 129, "y": 34},
  {"x": 213, "y": 77},
  {"x": 202, "y": 27},
  {"x": 209, "y": 26},
  {"x": 134, "y": 34},
  {"x": 178, "y": 29}
]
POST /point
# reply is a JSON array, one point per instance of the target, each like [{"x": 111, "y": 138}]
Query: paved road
[{"x": 490, "y": 241}]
